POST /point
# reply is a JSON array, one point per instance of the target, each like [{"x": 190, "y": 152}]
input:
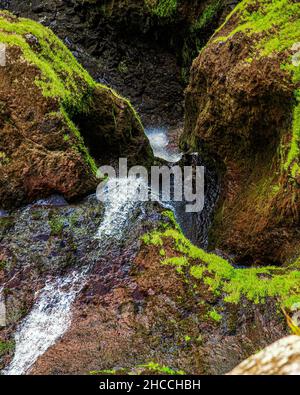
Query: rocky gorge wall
[
  {"x": 121, "y": 275},
  {"x": 143, "y": 49},
  {"x": 242, "y": 109}
]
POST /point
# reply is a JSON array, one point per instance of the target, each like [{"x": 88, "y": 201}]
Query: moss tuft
[
  {"x": 214, "y": 315},
  {"x": 6, "y": 347},
  {"x": 208, "y": 15},
  {"x": 162, "y": 8}
]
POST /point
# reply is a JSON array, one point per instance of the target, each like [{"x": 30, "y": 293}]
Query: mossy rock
[
  {"x": 242, "y": 109},
  {"x": 46, "y": 98}
]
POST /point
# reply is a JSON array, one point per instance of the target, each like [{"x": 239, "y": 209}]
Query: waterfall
[
  {"x": 46, "y": 323},
  {"x": 159, "y": 141},
  {"x": 120, "y": 197}
]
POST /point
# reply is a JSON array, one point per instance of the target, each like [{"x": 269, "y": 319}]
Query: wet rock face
[
  {"x": 239, "y": 110},
  {"x": 42, "y": 151},
  {"x": 280, "y": 358},
  {"x": 51, "y": 242},
  {"x": 125, "y": 297}
]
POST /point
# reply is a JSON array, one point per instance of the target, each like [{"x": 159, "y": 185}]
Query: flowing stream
[
  {"x": 51, "y": 314},
  {"x": 46, "y": 323},
  {"x": 159, "y": 141}
]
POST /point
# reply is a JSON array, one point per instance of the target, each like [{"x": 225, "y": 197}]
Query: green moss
[
  {"x": 59, "y": 76},
  {"x": 162, "y": 252},
  {"x": 139, "y": 369},
  {"x": 162, "y": 8},
  {"x": 221, "y": 278},
  {"x": 79, "y": 144},
  {"x": 155, "y": 367},
  {"x": 214, "y": 315},
  {"x": 60, "y": 72},
  {"x": 6, "y": 347},
  {"x": 56, "y": 224},
  {"x": 176, "y": 261},
  {"x": 171, "y": 217},
  {"x": 3, "y": 264},
  {"x": 276, "y": 27},
  {"x": 207, "y": 16}
]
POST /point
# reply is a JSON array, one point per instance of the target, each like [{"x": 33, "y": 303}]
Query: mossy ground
[
  {"x": 223, "y": 280},
  {"x": 275, "y": 26}
]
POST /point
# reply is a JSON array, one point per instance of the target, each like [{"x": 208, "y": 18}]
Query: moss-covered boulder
[
  {"x": 43, "y": 91},
  {"x": 142, "y": 48},
  {"x": 242, "y": 109}
]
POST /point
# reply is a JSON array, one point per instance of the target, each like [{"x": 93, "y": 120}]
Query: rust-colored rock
[
  {"x": 43, "y": 91},
  {"x": 239, "y": 111}
]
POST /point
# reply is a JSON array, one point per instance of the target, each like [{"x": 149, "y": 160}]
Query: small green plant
[
  {"x": 208, "y": 15},
  {"x": 162, "y": 8},
  {"x": 214, "y": 315},
  {"x": 6, "y": 347},
  {"x": 56, "y": 225},
  {"x": 122, "y": 67}
]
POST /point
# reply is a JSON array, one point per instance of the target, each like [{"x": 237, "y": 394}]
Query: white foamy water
[
  {"x": 48, "y": 320},
  {"x": 159, "y": 141},
  {"x": 121, "y": 198}
]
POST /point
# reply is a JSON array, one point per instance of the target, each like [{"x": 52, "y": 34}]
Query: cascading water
[
  {"x": 159, "y": 141},
  {"x": 46, "y": 323},
  {"x": 51, "y": 314},
  {"x": 120, "y": 197},
  {"x": 194, "y": 225}
]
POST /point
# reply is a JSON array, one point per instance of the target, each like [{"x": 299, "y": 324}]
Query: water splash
[
  {"x": 46, "y": 323},
  {"x": 121, "y": 199},
  {"x": 159, "y": 141}
]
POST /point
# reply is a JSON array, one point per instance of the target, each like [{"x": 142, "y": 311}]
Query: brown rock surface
[
  {"x": 239, "y": 111},
  {"x": 41, "y": 150}
]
